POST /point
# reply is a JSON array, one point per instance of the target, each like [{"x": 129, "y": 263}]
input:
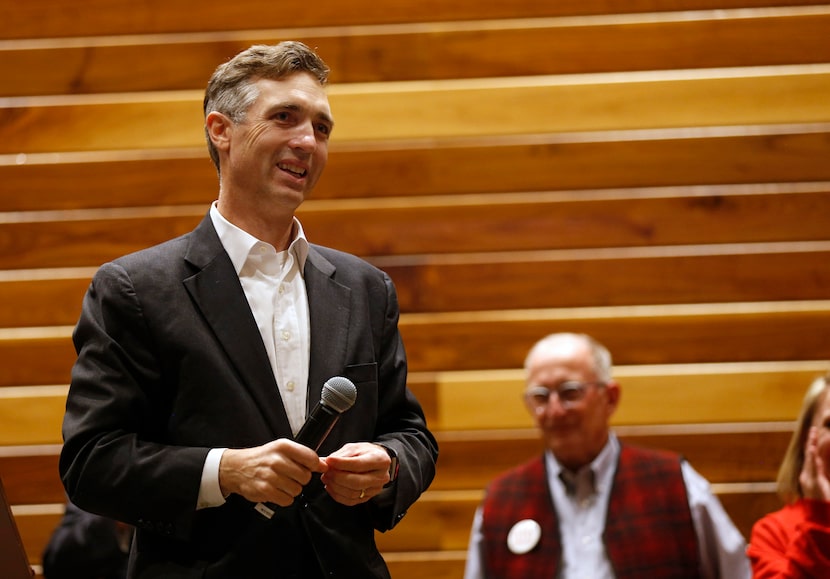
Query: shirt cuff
[{"x": 210, "y": 495}]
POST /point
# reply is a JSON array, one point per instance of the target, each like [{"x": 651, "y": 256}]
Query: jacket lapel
[
  {"x": 216, "y": 291},
  {"x": 329, "y": 311}
]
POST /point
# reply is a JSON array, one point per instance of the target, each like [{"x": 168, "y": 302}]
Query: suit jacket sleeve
[{"x": 117, "y": 460}]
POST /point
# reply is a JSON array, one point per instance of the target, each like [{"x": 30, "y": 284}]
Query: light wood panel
[
  {"x": 490, "y": 400},
  {"x": 651, "y": 394},
  {"x": 442, "y": 109},
  {"x": 32, "y": 415},
  {"x": 439, "y": 522},
  {"x": 721, "y": 452},
  {"x": 683, "y": 333}
]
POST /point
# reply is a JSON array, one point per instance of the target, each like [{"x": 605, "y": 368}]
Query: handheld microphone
[{"x": 338, "y": 395}]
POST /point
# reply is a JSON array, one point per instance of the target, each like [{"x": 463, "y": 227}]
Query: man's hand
[
  {"x": 356, "y": 473},
  {"x": 275, "y": 472}
]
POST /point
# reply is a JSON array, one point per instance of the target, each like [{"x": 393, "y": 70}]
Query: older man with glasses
[{"x": 591, "y": 506}]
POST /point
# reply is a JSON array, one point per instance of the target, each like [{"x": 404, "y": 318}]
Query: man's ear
[
  {"x": 218, "y": 128},
  {"x": 613, "y": 392}
]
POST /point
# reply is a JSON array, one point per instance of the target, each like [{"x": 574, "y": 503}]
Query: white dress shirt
[
  {"x": 582, "y": 514},
  {"x": 274, "y": 286}
]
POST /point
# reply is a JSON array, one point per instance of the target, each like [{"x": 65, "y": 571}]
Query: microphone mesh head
[{"x": 339, "y": 394}]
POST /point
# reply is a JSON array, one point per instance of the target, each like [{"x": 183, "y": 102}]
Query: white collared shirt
[{"x": 275, "y": 289}]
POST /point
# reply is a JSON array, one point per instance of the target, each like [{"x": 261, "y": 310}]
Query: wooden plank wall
[{"x": 656, "y": 175}]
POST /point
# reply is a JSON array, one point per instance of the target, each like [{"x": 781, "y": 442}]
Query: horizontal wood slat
[
  {"x": 491, "y": 226},
  {"x": 36, "y": 355},
  {"x": 529, "y": 163},
  {"x": 720, "y": 452},
  {"x": 463, "y": 341},
  {"x": 690, "y": 333},
  {"x": 652, "y": 394},
  {"x": 443, "y": 109},
  {"x": 454, "y": 400},
  {"x": 636, "y": 334},
  {"x": 36, "y": 525},
  {"x": 441, "y": 520},
  {"x": 584, "y": 278},
  {"x": 654, "y": 175},
  {"x": 53, "y": 18},
  {"x": 491, "y": 400},
  {"x": 30, "y": 473},
  {"x": 420, "y": 51},
  {"x": 432, "y": 564},
  {"x": 665, "y": 275},
  {"x": 747, "y": 452}
]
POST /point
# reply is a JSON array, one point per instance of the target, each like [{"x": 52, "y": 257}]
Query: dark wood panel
[
  {"x": 637, "y": 335},
  {"x": 427, "y": 51},
  {"x": 53, "y": 18},
  {"x": 600, "y": 277},
  {"x": 32, "y": 478},
  {"x": 580, "y": 279},
  {"x": 39, "y": 360},
  {"x": 529, "y": 163},
  {"x": 494, "y": 232}
]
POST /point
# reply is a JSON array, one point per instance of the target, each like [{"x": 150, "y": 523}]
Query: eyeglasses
[{"x": 569, "y": 393}]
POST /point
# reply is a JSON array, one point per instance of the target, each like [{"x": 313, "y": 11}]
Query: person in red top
[{"x": 794, "y": 542}]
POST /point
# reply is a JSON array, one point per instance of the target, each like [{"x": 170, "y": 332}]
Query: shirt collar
[
  {"x": 602, "y": 466},
  {"x": 238, "y": 243}
]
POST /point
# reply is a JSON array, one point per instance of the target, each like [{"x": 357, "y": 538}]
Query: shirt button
[
  {"x": 286, "y": 335},
  {"x": 290, "y": 386},
  {"x": 282, "y": 289}
]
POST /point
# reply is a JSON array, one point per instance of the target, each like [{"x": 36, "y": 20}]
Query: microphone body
[
  {"x": 338, "y": 395},
  {"x": 317, "y": 426}
]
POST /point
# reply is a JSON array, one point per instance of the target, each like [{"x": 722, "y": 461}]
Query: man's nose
[{"x": 304, "y": 137}]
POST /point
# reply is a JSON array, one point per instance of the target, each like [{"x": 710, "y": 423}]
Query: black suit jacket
[
  {"x": 171, "y": 364},
  {"x": 86, "y": 545}
]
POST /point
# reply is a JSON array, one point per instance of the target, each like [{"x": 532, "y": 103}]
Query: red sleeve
[{"x": 793, "y": 543}]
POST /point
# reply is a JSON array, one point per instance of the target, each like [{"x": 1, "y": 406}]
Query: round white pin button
[{"x": 524, "y": 536}]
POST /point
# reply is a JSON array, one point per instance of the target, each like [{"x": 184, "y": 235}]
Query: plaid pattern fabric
[
  {"x": 521, "y": 493},
  {"x": 649, "y": 531}
]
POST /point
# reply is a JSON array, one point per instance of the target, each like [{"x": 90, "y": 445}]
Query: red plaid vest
[{"x": 648, "y": 530}]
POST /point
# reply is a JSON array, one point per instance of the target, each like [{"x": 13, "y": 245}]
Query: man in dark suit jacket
[
  {"x": 87, "y": 545},
  {"x": 199, "y": 359}
]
